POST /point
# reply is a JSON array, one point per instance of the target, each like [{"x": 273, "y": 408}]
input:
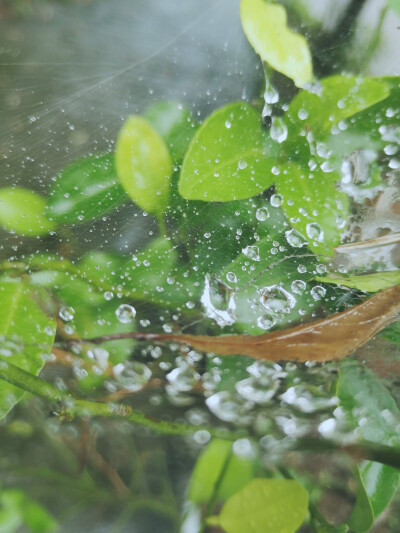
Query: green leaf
[
  {"x": 337, "y": 98},
  {"x": 375, "y": 282},
  {"x": 17, "y": 508},
  {"x": 85, "y": 190},
  {"x": 268, "y": 281},
  {"x": 22, "y": 212},
  {"x": 394, "y": 4},
  {"x": 225, "y": 160},
  {"x": 314, "y": 206},
  {"x": 26, "y": 337},
  {"x": 363, "y": 397},
  {"x": 264, "y": 506},
  {"x": 143, "y": 165},
  {"x": 266, "y": 28},
  {"x": 175, "y": 124},
  {"x": 215, "y": 461}
]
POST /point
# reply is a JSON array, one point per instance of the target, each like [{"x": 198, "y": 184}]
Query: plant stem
[{"x": 70, "y": 407}]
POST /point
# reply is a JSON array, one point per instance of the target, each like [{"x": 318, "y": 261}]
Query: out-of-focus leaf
[
  {"x": 22, "y": 212},
  {"x": 266, "y": 28},
  {"x": 264, "y": 506},
  {"x": 314, "y": 206},
  {"x": 225, "y": 160},
  {"x": 218, "y": 460},
  {"x": 26, "y": 337},
  {"x": 175, "y": 124},
  {"x": 85, "y": 190},
  {"x": 143, "y": 165},
  {"x": 16, "y": 508},
  {"x": 394, "y": 4},
  {"x": 364, "y": 397},
  {"x": 364, "y": 282}
]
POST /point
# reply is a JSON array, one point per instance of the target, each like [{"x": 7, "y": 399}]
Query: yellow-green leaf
[
  {"x": 284, "y": 50},
  {"x": 378, "y": 281},
  {"x": 22, "y": 211},
  {"x": 264, "y": 506},
  {"x": 143, "y": 165}
]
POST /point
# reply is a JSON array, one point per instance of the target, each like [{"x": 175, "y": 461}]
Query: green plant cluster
[{"x": 249, "y": 216}]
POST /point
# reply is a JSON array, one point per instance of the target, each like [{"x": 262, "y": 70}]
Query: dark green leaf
[
  {"x": 225, "y": 160},
  {"x": 85, "y": 190},
  {"x": 26, "y": 336}
]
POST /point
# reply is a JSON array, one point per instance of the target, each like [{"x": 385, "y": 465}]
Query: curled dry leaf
[{"x": 328, "y": 339}]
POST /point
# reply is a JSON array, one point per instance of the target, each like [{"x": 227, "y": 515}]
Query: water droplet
[
  {"x": 276, "y": 300},
  {"x": 66, "y": 313},
  {"x": 226, "y": 407},
  {"x": 252, "y": 252},
  {"x": 266, "y": 321},
  {"x": 321, "y": 269},
  {"x": 242, "y": 164},
  {"x": 125, "y": 313},
  {"x": 183, "y": 378},
  {"x": 278, "y": 130},
  {"x": 298, "y": 286},
  {"x": 131, "y": 375},
  {"x": 10, "y": 346},
  {"x": 271, "y": 95},
  {"x": 318, "y": 292},
  {"x": 100, "y": 356},
  {"x": 218, "y": 302},
  {"x": 315, "y": 232},
  {"x": 262, "y": 214},
  {"x": 108, "y": 295},
  {"x": 231, "y": 277},
  {"x": 276, "y": 200},
  {"x": 307, "y": 400},
  {"x": 294, "y": 238},
  {"x": 302, "y": 114},
  {"x": 301, "y": 269},
  {"x": 258, "y": 390},
  {"x": 227, "y": 124}
]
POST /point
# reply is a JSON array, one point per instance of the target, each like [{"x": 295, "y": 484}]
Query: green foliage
[
  {"x": 394, "y": 4},
  {"x": 85, "y": 190},
  {"x": 225, "y": 160},
  {"x": 143, "y": 165},
  {"x": 266, "y": 28},
  {"x": 218, "y": 473},
  {"x": 17, "y": 510},
  {"x": 375, "y": 282},
  {"x": 364, "y": 397},
  {"x": 22, "y": 212},
  {"x": 26, "y": 336},
  {"x": 264, "y": 506}
]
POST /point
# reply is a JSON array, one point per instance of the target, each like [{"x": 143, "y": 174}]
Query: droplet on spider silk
[
  {"x": 276, "y": 300},
  {"x": 125, "y": 313}
]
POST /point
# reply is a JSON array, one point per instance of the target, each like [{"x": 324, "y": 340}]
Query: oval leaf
[
  {"x": 284, "y": 50},
  {"x": 143, "y": 165},
  {"x": 26, "y": 336},
  {"x": 217, "y": 460},
  {"x": 225, "y": 160},
  {"x": 265, "y": 506},
  {"x": 85, "y": 190},
  {"x": 22, "y": 211}
]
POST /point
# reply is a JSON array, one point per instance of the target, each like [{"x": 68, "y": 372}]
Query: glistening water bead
[{"x": 125, "y": 313}]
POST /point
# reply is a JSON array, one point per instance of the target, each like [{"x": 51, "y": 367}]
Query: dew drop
[
  {"x": 276, "y": 200},
  {"x": 242, "y": 164},
  {"x": 266, "y": 322},
  {"x": 318, "y": 292},
  {"x": 252, "y": 252},
  {"x": 276, "y": 300},
  {"x": 294, "y": 238},
  {"x": 66, "y": 313},
  {"x": 125, "y": 313},
  {"x": 262, "y": 214},
  {"x": 298, "y": 286},
  {"x": 131, "y": 375},
  {"x": 231, "y": 277},
  {"x": 315, "y": 232}
]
